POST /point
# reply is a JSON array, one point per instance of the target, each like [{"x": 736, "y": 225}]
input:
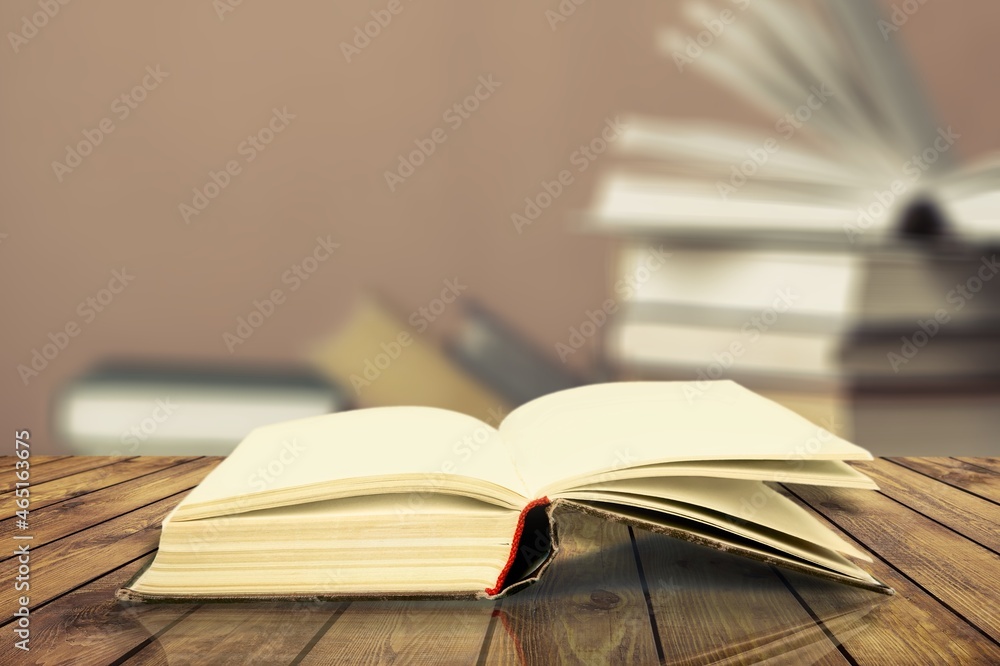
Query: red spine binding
[{"x": 543, "y": 501}]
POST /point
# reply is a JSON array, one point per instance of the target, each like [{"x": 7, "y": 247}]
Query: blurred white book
[
  {"x": 129, "y": 409},
  {"x": 839, "y": 292},
  {"x": 864, "y": 317}
]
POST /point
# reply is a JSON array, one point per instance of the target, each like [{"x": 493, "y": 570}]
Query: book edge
[{"x": 679, "y": 533}]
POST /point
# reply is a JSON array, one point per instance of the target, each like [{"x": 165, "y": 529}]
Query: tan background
[{"x": 324, "y": 174}]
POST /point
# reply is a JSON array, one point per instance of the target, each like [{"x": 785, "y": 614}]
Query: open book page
[
  {"x": 425, "y": 447},
  {"x": 883, "y": 76},
  {"x": 742, "y": 503},
  {"x": 977, "y": 217},
  {"x": 574, "y": 434},
  {"x": 693, "y": 145},
  {"x": 807, "y": 472},
  {"x": 814, "y": 559}
]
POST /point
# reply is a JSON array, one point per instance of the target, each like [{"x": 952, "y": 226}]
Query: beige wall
[{"x": 324, "y": 173}]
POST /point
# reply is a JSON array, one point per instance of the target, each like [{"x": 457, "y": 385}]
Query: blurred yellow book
[{"x": 383, "y": 363}]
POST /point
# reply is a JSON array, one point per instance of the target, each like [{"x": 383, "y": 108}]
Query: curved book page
[
  {"x": 596, "y": 429},
  {"x": 364, "y": 452}
]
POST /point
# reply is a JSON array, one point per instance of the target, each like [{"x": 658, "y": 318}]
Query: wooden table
[{"x": 614, "y": 595}]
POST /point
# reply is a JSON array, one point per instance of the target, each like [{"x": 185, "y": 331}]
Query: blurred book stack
[{"x": 841, "y": 264}]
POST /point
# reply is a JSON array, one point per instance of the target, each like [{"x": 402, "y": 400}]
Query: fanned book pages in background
[{"x": 855, "y": 157}]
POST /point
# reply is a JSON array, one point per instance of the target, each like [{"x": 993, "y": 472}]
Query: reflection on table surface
[{"x": 687, "y": 604}]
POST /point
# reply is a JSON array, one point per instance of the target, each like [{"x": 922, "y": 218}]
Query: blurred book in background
[
  {"x": 137, "y": 408},
  {"x": 842, "y": 264},
  {"x": 382, "y": 361},
  {"x": 503, "y": 358}
]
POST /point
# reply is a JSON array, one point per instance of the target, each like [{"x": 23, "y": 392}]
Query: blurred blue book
[{"x": 504, "y": 359}]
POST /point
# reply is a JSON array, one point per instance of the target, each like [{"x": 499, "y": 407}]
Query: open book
[
  {"x": 854, "y": 157},
  {"x": 420, "y": 501}
]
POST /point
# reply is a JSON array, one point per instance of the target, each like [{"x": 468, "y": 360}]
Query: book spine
[{"x": 514, "y": 546}]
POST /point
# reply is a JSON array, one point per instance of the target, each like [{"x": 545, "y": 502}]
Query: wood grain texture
[
  {"x": 53, "y": 521},
  {"x": 71, "y": 561},
  {"x": 404, "y": 632},
  {"x": 714, "y": 607},
  {"x": 953, "y": 569},
  {"x": 68, "y": 487},
  {"x": 992, "y": 464},
  {"x": 54, "y": 469},
  {"x": 237, "y": 634},
  {"x": 969, "y": 477},
  {"x": 8, "y": 463},
  {"x": 588, "y": 608},
  {"x": 970, "y": 516},
  {"x": 912, "y": 622},
  {"x": 89, "y": 626}
]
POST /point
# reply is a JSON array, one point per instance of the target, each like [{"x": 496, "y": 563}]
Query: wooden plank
[
  {"x": 588, "y": 608},
  {"x": 8, "y": 463},
  {"x": 55, "y": 469},
  {"x": 404, "y": 632},
  {"x": 69, "y": 562},
  {"x": 58, "y": 490},
  {"x": 716, "y": 607},
  {"x": 89, "y": 621},
  {"x": 992, "y": 464},
  {"x": 953, "y": 569},
  {"x": 238, "y": 634},
  {"x": 912, "y": 622},
  {"x": 969, "y": 477},
  {"x": 56, "y": 520},
  {"x": 968, "y": 515}
]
